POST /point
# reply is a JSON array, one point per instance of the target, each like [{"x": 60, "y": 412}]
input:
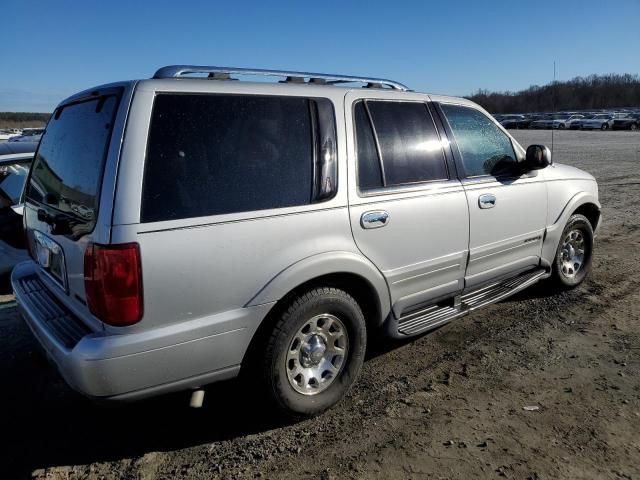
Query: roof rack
[{"x": 222, "y": 73}]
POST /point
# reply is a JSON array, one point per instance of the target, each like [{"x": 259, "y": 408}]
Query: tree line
[
  {"x": 580, "y": 93},
  {"x": 23, "y": 119}
]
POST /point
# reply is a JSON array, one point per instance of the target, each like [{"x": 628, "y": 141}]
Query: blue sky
[{"x": 51, "y": 49}]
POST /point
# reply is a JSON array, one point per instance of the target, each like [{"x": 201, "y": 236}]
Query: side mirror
[{"x": 538, "y": 157}]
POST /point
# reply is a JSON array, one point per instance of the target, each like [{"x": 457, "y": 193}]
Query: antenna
[{"x": 553, "y": 103}]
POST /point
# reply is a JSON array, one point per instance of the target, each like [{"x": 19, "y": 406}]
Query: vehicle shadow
[
  {"x": 44, "y": 423},
  {"x": 5, "y": 284},
  {"x": 50, "y": 425}
]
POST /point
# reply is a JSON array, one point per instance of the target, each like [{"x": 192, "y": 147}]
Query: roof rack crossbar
[{"x": 177, "y": 71}]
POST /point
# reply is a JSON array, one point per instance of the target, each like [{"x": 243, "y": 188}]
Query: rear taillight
[{"x": 113, "y": 283}]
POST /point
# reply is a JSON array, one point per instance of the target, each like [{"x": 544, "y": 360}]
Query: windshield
[{"x": 67, "y": 170}]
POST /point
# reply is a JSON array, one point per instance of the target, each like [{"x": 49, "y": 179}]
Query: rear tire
[
  {"x": 572, "y": 262},
  {"x": 314, "y": 353},
  {"x": 605, "y": 126},
  {"x": 633, "y": 127}
]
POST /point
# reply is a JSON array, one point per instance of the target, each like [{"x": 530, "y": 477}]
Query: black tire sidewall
[
  {"x": 576, "y": 222},
  {"x": 319, "y": 301}
]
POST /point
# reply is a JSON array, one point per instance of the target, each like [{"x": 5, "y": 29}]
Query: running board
[{"x": 436, "y": 315}]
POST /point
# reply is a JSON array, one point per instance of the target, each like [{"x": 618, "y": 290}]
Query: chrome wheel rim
[
  {"x": 317, "y": 353},
  {"x": 572, "y": 254}
]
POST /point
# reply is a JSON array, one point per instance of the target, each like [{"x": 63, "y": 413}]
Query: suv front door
[
  {"x": 507, "y": 209},
  {"x": 408, "y": 210}
]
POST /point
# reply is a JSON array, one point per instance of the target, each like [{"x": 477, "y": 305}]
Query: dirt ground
[{"x": 454, "y": 403}]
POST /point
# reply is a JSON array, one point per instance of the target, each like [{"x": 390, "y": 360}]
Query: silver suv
[{"x": 187, "y": 230}]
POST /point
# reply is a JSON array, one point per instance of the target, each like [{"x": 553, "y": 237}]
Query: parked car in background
[
  {"x": 630, "y": 122},
  {"x": 6, "y": 134},
  {"x": 15, "y": 160},
  {"x": 515, "y": 121},
  {"x": 544, "y": 121},
  {"x": 28, "y": 135},
  {"x": 566, "y": 121},
  {"x": 162, "y": 258},
  {"x": 601, "y": 121},
  {"x": 576, "y": 124}
]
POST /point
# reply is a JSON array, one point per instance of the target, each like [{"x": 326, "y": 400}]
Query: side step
[{"x": 434, "y": 315}]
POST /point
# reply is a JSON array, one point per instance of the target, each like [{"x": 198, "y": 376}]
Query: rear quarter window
[{"x": 211, "y": 154}]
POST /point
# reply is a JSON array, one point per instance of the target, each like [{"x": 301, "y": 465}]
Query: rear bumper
[{"x": 140, "y": 364}]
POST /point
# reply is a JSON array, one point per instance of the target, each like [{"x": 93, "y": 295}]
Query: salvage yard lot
[{"x": 450, "y": 404}]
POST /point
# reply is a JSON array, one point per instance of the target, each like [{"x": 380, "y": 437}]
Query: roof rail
[{"x": 177, "y": 71}]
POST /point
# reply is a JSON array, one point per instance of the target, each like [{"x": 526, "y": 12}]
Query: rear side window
[
  {"x": 218, "y": 154},
  {"x": 408, "y": 148},
  {"x": 485, "y": 149}
]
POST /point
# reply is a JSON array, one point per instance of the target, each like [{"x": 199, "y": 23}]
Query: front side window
[
  {"x": 402, "y": 148},
  {"x": 485, "y": 149},
  {"x": 220, "y": 154}
]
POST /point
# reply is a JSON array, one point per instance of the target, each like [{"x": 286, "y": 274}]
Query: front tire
[
  {"x": 605, "y": 126},
  {"x": 574, "y": 253},
  {"x": 314, "y": 353}
]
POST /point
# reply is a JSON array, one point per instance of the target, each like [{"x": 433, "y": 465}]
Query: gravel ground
[{"x": 451, "y": 404}]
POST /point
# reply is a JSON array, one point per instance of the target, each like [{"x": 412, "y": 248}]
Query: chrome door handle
[
  {"x": 487, "y": 200},
  {"x": 376, "y": 219}
]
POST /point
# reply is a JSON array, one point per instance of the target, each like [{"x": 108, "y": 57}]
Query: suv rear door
[
  {"x": 408, "y": 210},
  {"x": 63, "y": 207}
]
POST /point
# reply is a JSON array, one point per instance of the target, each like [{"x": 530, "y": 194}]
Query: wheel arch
[
  {"x": 345, "y": 270},
  {"x": 591, "y": 211},
  {"x": 584, "y": 203}
]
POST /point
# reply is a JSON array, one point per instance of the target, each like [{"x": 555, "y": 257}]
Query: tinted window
[
  {"x": 67, "y": 171},
  {"x": 369, "y": 173},
  {"x": 409, "y": 144},
  {"x": 485, "y": 149},
  {"x": 217, "y": 154}
]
